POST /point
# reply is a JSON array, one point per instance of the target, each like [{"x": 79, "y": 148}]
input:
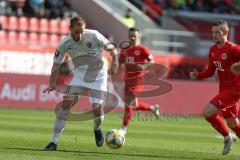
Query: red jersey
[
  {"x": 132, "y": 56},
  {"x": 221, "y": 59}
]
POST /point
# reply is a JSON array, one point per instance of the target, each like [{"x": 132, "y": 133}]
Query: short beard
[
  {"x": 132, "y": 43},
  {"x": 217, "y": 42}
]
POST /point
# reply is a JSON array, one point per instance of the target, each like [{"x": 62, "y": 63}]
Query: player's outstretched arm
[
  {"x": 113, "y": 52},
  {"x": 149, "y": 57},
  {"x": 235, "y": 68},
  {"x": 149, "y": 63},
  {"x": 208, "y": 72},
  {"x": 59, "y": 56},
  {"x": 53, "y": 78}
]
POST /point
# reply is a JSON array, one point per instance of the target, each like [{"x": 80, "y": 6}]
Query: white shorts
[
  {"x": 96, "y": 88},
  {"x": 98, "y": 84}
]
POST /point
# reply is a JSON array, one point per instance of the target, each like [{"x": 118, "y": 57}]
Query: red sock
[
  {"x": 218, "y": 123},
  {"x": 127, "y": 115},
  {"x": 144, "y": 106},
  {"x": 237, "y": 130}
]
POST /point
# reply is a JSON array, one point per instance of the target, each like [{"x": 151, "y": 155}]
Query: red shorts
[
  {"x": 227, "y": 102},
  {"x": 132, "y": 88}
]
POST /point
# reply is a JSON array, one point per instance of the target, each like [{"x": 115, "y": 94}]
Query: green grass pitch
[{"x": 23, "y": 133}]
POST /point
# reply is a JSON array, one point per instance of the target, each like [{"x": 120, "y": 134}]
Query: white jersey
[{"x": 89, "y": 51}]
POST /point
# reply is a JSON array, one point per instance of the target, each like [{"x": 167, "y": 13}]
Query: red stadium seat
[
  {"x": 13, "y": 23},
  {"x": 64, "y": 26},
  {"x": 34, "y": 24},
  {"x": 54, "y": 40},
  {"x": 33, "y": 39},
  {"x": 12, "y": 37},
  {"x": 4, "y": 22},
  {"x": 23, "y": 38},
  {"x": 54, "y": 26},
  {"x": 23, "y": 24},
  {"x": 44, "y": 25},
  {"x": 3, "y": 37},
  {"x": 44, "y": 39}
]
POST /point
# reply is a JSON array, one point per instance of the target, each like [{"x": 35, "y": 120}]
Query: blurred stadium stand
[
  {"x": 23, "y": 23},
  {"x": 183, "y": 29},
  {"x": 30, "y": 30},
  {"x": 195, "y": 16}
]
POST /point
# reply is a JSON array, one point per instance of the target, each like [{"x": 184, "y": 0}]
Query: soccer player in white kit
[{"x": 85, "y": 45}]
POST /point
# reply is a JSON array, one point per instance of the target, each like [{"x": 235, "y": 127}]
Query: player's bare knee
[
  {"x": 232, "y": 123},
  {"x": 66, "y": 104},
  {"x": 73, "y": 98},
  {"x": 131, "y": 101},
  {"x": 209, "y": 110},
  {"x": 128, "y": 100},
  {"x": 69, "y": 101},
  {"x": 205, "y": 112}
]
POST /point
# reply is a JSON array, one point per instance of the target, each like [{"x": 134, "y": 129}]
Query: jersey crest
[
  {"x": 224, "y": 56},
  {"x": 89, "y": 44},
  {"x": 137, "y": 52}
]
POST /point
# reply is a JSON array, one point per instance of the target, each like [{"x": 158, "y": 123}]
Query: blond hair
[
  {"x": 223, "y": 24},
  {"x": 74, "y": 19}
]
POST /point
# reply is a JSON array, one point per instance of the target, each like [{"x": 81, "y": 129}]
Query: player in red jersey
[
  {"x": 135, "y": 55},
  {"x": 223, "y": 57}
]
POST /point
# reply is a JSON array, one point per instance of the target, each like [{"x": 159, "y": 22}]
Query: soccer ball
[{"x": 115, "y": 139}]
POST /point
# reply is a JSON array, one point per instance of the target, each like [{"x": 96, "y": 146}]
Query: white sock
[
  {"x": 58, "y": 129},
  {"x": 124, "y": 128},
  {"x": 97, "y": 122}
]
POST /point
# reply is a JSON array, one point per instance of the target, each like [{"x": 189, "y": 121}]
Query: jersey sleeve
[
  {"x": 60, "y": 52},
  {"x": 210, "y": 70},
  {"x": 101, "y": 41},
  {"x": 236, "y": 53},
  {"x": 121, "y": 56},
  {"x": 147, "y": 54}
]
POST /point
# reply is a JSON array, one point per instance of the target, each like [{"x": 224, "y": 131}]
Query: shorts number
[{"x": 67, "y": 90}]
